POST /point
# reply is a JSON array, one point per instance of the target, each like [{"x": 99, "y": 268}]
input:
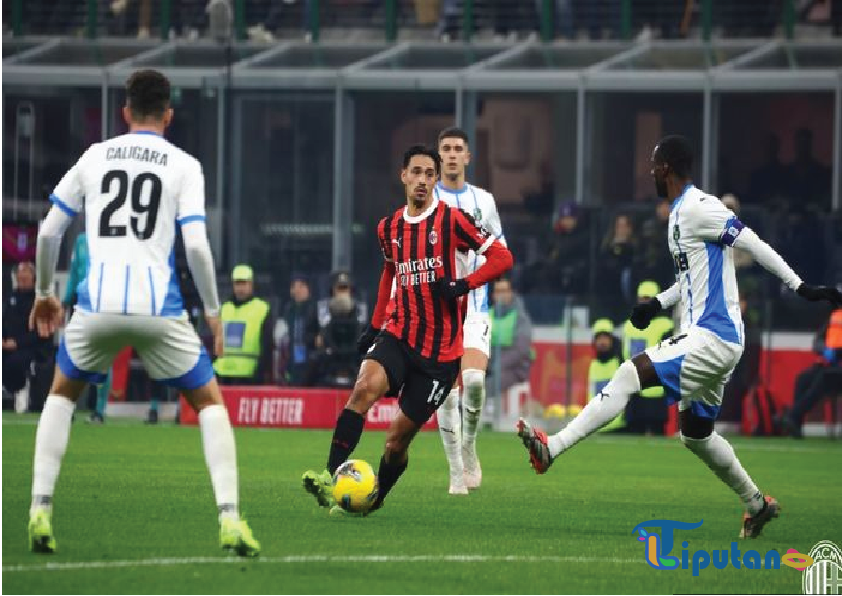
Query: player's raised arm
[
  {"x": 774, "y": 263},
  {"x": 470, "y": 236},
  {"x": 720, "y": 224}
]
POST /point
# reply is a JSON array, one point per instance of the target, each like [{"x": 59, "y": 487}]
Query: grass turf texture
[{"x": 133, "y": 493}]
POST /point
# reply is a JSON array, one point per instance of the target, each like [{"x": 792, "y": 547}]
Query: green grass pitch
[{"x": 134, "y": 513}]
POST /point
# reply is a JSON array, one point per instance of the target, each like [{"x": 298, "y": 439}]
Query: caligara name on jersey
[{"x": 135, "y": 152}]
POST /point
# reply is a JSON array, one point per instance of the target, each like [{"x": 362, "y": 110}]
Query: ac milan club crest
[{"x": 433, "y": 237}]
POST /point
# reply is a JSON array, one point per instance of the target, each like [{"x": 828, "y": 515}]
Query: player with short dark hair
[
  {"x": 458, "y": 430},
  {"x": 147, "y": 94},
  {"x": 414, "y": 342},
  {"x": 136, "y": 189},
  {"x": 694, "y": 365}
]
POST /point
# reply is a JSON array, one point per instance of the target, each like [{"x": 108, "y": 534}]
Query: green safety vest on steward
[
  {"x": 637, "y": 340},
  {"x": 241, "y": 327},
  {"x": 599, "y": 374},
  {"x": 503, "y": 328}
]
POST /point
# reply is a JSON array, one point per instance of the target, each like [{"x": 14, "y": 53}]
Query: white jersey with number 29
[{"x": 135, "y": 189}]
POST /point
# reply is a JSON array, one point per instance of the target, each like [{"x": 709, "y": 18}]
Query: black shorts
[{"x": 421, "y": 384}]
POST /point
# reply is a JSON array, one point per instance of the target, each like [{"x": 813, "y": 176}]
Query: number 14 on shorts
[{"x": 437, "y": 394}]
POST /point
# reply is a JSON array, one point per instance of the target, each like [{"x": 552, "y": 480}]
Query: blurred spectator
[
  {"x": 303, "y": 328},
  {"x": 646, "y": 412},
  {"x": 341, "y": 287},
  {"x": 614, "y": 268},
  {"x": 341, "y": 318},
  {"x": 822, "y": 379},
  {"x": 566, "y": 265},
  {"x": 654, "y": 261},
  {"x": 808, "y": 181},
  {"x": 511, "y": 337},
  {"x": 606, "y": 360},
  {"x": 247, "y": 333},
  {"x": 769, "y": 181},
  {"x": 22, "y": 348}
]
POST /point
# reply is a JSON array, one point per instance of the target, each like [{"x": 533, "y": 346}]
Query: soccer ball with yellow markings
[{"x": 355, "y": 486}]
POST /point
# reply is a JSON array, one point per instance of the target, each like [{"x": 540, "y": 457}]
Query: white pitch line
[{"x": 298, "y": 559}]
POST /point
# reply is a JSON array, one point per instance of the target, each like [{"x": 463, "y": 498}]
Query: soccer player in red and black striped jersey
[{"x": 413, "y": 346}]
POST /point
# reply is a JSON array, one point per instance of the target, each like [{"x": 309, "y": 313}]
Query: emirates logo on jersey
[
  {"x": 433, "y": 238},
  {"x": 417, "y": 271}
]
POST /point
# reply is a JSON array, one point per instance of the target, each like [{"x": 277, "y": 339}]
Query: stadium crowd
[{"x": 268, "y": 20}]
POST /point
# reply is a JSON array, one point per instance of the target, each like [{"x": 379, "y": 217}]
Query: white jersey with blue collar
[
  {"x": 480, "y": 204},
  {"x": 702, "y": 232}
]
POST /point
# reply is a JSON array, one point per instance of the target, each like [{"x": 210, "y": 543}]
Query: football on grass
[{"x": 355, "y": 486}]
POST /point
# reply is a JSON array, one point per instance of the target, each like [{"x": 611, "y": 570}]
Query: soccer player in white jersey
[
  {"x": 694, "y": 365},
  {"x": 459, "y": 442},
  {"x": 135, "y": 189}
]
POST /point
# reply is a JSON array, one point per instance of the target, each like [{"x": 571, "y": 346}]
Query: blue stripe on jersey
[
  {"x": 70, "y": 370},
  {"x": 63, "y": 206},
  {"x": 189, "y": 218},
  {"x": 145, "y": 132},
  {"x": 715, "y": 316},
  {"x": 669, "y": 373},
  {"x": 173, "y": 305},
  {"x": 83, "y": 294},
  {"x": 152, "y": 290},
  {"x": 99, "y": 286},
  {"x": 126, "y": 290}
]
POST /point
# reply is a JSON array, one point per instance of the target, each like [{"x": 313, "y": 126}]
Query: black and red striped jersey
[{"x": 423, "y": 248}]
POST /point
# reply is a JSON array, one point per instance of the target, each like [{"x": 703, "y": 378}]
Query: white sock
[
  {"x": 473, "y": 383},
  {"x": 601, "y": 410},
  {"x": 719, "y": 456},
  {"x": 221, "y": 457},
  {"x": 450, "y": 429},
  {"x": 50, "y": 444}
]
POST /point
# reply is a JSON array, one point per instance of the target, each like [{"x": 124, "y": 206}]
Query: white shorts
[
  {"x": 477, "y": 332},
  {"x": 693, "y": 367},
  {"x": 168, "y": 346}
]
